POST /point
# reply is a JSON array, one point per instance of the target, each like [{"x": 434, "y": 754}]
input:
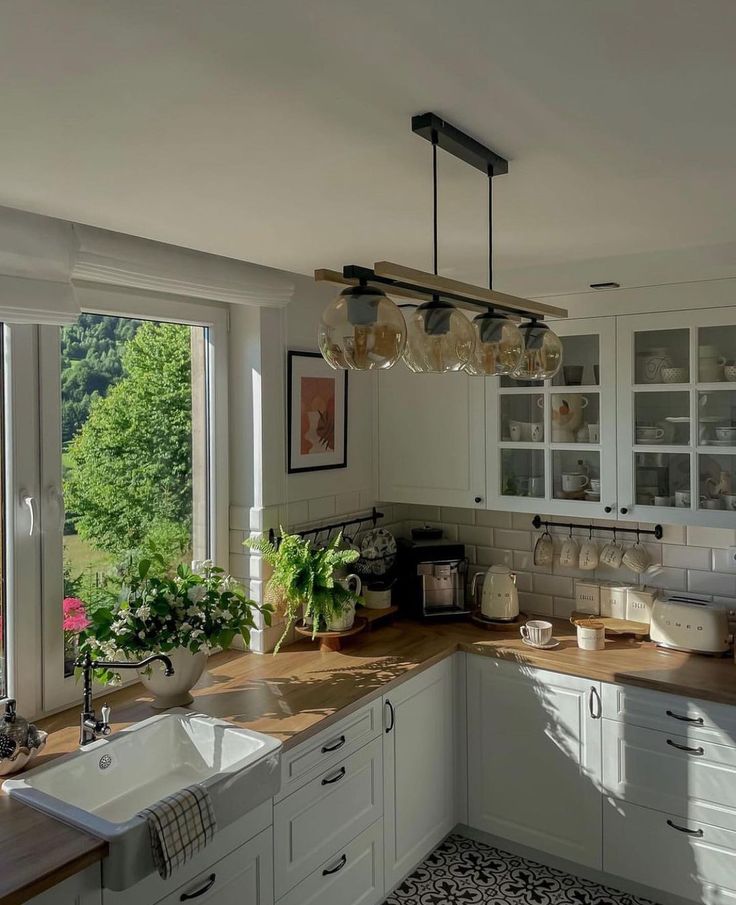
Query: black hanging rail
[
  {"x": 372, "y": 517},
  {"x": 538, "y": 523}
]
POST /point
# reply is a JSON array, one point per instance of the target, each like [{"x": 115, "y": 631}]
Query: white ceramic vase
[
  {"x": 174, "y": 691},
  {"x": 343, "y": 622}
]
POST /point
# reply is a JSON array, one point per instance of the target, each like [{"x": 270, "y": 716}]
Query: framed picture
[{"x": 317, "y": 414}]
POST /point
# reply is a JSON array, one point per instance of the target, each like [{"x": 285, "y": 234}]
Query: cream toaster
[{"x": 682, "y": 623}]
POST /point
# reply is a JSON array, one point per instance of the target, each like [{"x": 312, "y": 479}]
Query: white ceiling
[{"x": 277, "y": 131}]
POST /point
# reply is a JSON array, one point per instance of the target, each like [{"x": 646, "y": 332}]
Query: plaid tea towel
[{"x": 180, "y": 826}]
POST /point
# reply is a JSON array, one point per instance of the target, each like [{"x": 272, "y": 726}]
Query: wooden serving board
[{"x": 617, "y": 626}]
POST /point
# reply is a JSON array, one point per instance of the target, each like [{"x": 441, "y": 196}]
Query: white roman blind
[{"x": 35, "y": 269}]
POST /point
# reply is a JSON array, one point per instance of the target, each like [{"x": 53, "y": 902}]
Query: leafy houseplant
[
  {"x": 181, "y": 614},
  {"x": 304, "y": 576}
]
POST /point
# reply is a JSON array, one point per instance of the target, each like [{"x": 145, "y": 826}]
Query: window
[{"x": 127, "y": 457}]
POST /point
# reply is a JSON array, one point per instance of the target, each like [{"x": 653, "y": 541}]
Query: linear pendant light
[{"x": 363, "y": 329}]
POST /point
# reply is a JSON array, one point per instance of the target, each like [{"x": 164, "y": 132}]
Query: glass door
[
  {"x": 551, "y": 443},
  {"x": 677, "y": 417}
]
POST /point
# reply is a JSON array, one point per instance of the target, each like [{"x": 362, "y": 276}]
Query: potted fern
[{"x": 304, "y": 576}]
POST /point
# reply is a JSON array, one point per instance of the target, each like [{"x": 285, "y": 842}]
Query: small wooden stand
[
  {"x": 640, "y": 630},
  {"x": 332, "y": 640},
  {"x": 375, "y": 617}
]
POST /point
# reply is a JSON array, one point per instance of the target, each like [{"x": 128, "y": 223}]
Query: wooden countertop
[{"x": 302, "y": 690}]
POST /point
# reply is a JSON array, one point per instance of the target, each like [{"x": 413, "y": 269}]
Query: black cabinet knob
[
  {"x": 608, "y": 509},
  {"x": 479, "y": 499},
  {"x": 624, "y": 510}
]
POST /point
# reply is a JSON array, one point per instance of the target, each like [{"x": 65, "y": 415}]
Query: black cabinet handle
[
  {"x": 187, "y": 896},
  {"x": 336, "y": 777},
  {"x": 390, "y": 726},
  {"x": 685, "y": 719},
  {"x": 334, "y": 746},
  {"x": 684, "y": 829},
  {"x": 685, "y": 748},
  {"x": 339, "y": 866},
  {"x": 594, "y": 703}
]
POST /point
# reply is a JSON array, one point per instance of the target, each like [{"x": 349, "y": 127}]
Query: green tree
[{"x": 129, "y": 468}]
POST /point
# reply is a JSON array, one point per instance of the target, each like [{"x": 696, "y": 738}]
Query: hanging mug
[
  {"x": 588, "y": 560},
  {"x": 569, "y": 553},
  {"x": 544, "y": 550}
]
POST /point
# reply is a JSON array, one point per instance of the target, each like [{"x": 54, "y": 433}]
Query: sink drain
[{"x": 105, "y": 762}]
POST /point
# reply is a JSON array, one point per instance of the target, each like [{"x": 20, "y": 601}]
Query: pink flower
[{"x": 75, "y": 615}]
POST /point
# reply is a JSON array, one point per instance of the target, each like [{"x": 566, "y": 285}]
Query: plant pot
[
  {"x": 173, "y": 691},
  {"x": 343, "y": 622}
]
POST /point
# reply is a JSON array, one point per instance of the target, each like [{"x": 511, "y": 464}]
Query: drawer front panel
[
  {"x": 668, "y": 772},
  {"x": 329, "y": 747},
  {"x": 353, "y": 874},
  {"x": 642, "y": 846},
  {"x": 670, "y": 713},
  {"x": 312, "y": 823}
]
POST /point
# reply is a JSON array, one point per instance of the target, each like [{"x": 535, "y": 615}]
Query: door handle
[
  {"x": 30, "y": 504},
  {"x": 685, "y": 748},
  {"x": 390, "y": 726},
  {"x": 336, "y": 777},
  {"x": 594, "y": 703},
  {"x": 333, "y": 746},
  {"x": 685, "y": 719},
  {"x": 684, "y": 829},
  {"x": 339, "y": 866},
  {"x": 188, "y": 896}
]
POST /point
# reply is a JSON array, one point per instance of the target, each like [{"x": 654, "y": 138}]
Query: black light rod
[{"x": 448, "y": 137}]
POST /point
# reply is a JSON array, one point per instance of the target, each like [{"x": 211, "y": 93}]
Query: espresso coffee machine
[{"x": 432, "y": 576}]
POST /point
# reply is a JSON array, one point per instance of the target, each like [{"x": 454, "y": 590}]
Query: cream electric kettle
[{"x": 499, "y": 598}]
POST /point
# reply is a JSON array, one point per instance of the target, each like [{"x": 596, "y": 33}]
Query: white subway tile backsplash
[
  {"x": 563, "y": 607},
  {"x": 348, "y": 502},
  {"x": 523, "y": 581},
  {"x": 470, "y": 534},
  {"x": 554, "y": 585},
  {"x": 671, "y": 534},
  {"x": 722, "y": 561},
  {"x": 294, "y": 513},
  {"x": 668, "y": 578},
  {"x": 522, "y": 521},
  {"x": 321, "y": 508},
  {"x": 524, "y": 562},
  {"x": 493, "y": 519},
  {"x": 711, "y": 537},
  {"x": 417, "y": 511},
  {"x": 458, "y": 516},
  {"x": 493, "y": 556},
  {"x": 513, "y": 540},
  {"x": 240, "y": 518},
  {"x": 236, "y": 541},
  {"x": 711, "y": 583},
  {"x": 686, "y": 557},
  {"x": 538, "y": 604}
]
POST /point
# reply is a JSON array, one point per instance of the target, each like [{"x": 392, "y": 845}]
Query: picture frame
[{"x": 317, "y": 414}]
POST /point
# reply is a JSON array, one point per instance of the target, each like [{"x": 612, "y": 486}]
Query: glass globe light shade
[
  {"x": 362, "y": 330},
  {"x": 499, "y": 345},
  {"x": 542, "y": 356},
  {"x": 439, "y": 338}
]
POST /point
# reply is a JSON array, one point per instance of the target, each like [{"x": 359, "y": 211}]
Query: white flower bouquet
[{"x": 196, "y": 609}]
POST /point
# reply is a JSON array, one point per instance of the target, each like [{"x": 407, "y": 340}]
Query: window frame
[{"x": 42, "y": 675}]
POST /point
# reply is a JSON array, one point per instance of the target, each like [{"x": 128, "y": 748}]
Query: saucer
[{"x": 548, "y": 646}]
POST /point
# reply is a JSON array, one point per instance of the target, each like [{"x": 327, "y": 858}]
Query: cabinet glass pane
[
  {"x": 522, "y": 472},
  {"x": 575, "y": 417},
  {"x": 717, "y": 354},
  {"x": 717, "y": 418},
  {"x": 662, "y": 356},
  {"x": 580, "y": 361},
  {"x": 662, "y": 418},
  {"x": 522, "y": 418},
  {"x": 576, "y": 475},
  {"x": 717, "y": 482},
  {"x": 662, "y": 479}
]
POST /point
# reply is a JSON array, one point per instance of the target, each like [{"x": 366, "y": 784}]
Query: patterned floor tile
[{"x": 462, "y": 871}]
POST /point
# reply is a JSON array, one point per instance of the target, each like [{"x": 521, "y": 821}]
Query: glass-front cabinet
[
  {"x": 551, "y": 445},
  {"x": 677, "y": 417}
]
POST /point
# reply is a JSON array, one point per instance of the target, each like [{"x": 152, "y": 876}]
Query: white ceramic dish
[{"x": 548, "y": 646}]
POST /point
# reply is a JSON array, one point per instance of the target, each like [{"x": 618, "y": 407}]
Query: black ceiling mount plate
[{"x": 457, "y": 143}]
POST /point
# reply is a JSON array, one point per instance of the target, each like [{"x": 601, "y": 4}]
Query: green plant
[
  {"x": 195, "y": 608},
  {"x": 305, "y": 577}
]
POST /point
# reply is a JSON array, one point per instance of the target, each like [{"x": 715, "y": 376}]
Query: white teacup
[
  {"x": 588, "y": 559},
  {"x": 682, "y": 499},
  {"x": 515, "y": 431},
  {"x": 537, "y": 632},
  {"x": 612, "y": 555},
  {"x": 573, "y": 481},
  {"x": 662, "y": 500},
  {"x": 537, "y": 432},
  {"x": 569, "y": 553},
  {"x": 595, "y": 485},
  {"x": 649, "y": 434},
  {"x": 636, "y": 558}
]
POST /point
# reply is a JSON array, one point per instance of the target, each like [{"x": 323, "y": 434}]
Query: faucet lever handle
[{"x": 105, "y": 713}]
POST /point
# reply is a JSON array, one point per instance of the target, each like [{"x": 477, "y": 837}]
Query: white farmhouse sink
[{"x": 102, "y": 788}]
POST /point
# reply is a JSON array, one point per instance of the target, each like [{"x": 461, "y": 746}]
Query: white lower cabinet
[
  {"x": 81, "y": 889},
  {"x": 534, "y": 753},
  {"x": 682, "y": 857},
  {"x": 419, "y": 748}
]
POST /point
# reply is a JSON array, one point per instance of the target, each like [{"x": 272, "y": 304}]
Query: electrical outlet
[{"x": 731, "y": 560}]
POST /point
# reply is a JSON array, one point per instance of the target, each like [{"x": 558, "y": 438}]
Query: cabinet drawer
[
  {"x": 311, "y": 824},
  {"x": 668, "y": 772},
  {"x": 642, "y": 846},
  {"x": 670, "y": 713},
  {"x": 244, "y": 877},
  {"x": 353, "y": 874},
  {"x": 329, "y": 747}
]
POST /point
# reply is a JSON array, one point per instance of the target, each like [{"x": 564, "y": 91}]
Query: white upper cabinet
[
  {"x": 431, "y": 438},
  {"x": 552, "y": 444},
  {"x": 677, "y": 417}
]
